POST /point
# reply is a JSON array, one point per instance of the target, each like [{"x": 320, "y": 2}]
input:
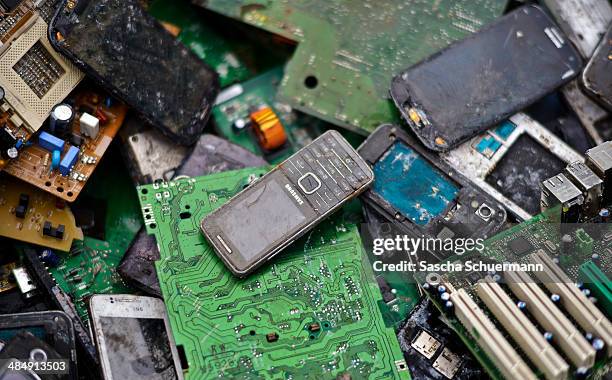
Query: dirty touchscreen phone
[
  {"x": 123, "y": 48},
  {"x": 134, "y": 338},
  {"x": 266, "y": 217},
  {"x": 480, "y": 81}
]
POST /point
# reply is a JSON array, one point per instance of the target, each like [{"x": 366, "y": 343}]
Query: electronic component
[
  {"x": 22, "y": 207},
  {"x": 133, "y": 336},
  {"x": 448, "y": 363},
  {"x": 68, "y": 161},
  {"x": 295, "y": 129},
  {"x": 37, "y": 165},
  {"x": 60, "y": 119},
  {"x": 510, "y": 161},
  {"x": 55, "y": 232},
  {"x": 590, "y": 185},
  {"x": 330, "y": 254},
  {"x": 456, "y": 108},
  {"x": 594, "y": 75},
  {"x": 599, "y": 159},
  {"x": 27, "y": 223},
  {"x": 268, "y": 129},
  {"x": 426, "y": 344},
  {"x": 179, "y": 99},
  {"x": 573, "y": 300},
  {"x": 423, "y": 195},
  {"x": 348, "y": 85},
  {"x": 24, "y": 282},
  {"x": 505, "y": 358},
  {"x": 524, "y": 333},
  {"x": 286, "y": 203},
  {"x": 559, "y": 190},
  {"x": 565, "y": 334},
  {"x": 49, "y": 142},
  {"x": 520, "y": 246},
  {"x": 599, "y": 284},
  {"x": 90, "y": 125}
]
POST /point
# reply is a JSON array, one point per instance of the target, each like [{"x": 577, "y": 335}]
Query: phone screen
[
  {"x": 412, "y": 185},
  {"x": 138, "y": 348},
  {"x": 134, "y": 57}
]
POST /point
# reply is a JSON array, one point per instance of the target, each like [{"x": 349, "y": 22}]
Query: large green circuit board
[
  {"x": 541, "y": 233},
  {"x": 349, "y": 50},
  {"x": 234, "y": 59},
  {"x": 260, "y": 91},
  {"x": 90, "y": 266},
  {"x": 312, "y": 313}
]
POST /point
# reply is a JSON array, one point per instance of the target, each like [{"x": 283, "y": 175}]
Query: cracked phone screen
[
  {"x": 129, "y": 52},
  {"x": 262, "y": 217},
  {"x": 138, "y": 348}
]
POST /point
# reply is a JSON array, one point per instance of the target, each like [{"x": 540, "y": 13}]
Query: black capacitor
[{"x": 60, "y": 119}]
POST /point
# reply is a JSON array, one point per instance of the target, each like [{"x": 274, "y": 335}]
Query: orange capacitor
[{"x": 268, "y": 128}]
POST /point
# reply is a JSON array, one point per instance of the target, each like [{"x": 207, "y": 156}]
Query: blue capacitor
[
  {"x": 19, "y": 144},
  {"x": 49, "y": 257},
  {"x": 70, "y": 158},
  {"x": 55, "y": 159},
  {"x": 49, "y": 142}
]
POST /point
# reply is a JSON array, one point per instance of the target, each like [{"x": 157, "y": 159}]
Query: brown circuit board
[
  {"x": 33, "y": 76},
  {"x": 34, "y": 162},
  {"x": 41, "y": 207}
]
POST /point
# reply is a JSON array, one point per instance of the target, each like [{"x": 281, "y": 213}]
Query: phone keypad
[{"x": 325, "y": 172}]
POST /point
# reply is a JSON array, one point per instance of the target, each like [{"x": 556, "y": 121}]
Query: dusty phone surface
[
  {"x": 421, "y": 194},
  {"x": 482, "y": 80},
  {"x": 285, "y": 203},
  {"x": 134, "y": 338},
  {"x": 130, "y": 54},
  {"x": 596, "y": 76}
]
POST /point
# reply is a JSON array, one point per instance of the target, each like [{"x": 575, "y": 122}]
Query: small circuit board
[
  {"x": 314, "y": 310},
  {"x": 249, "y": 114},
  {"x": 33, "y": 76},
  {"x": 62, "y": 163},
  {"x": 348, "y": 51},
  {"x": 31, "y": 215}
]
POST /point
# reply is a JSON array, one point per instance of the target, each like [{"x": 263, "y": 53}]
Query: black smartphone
[
  {"x": 422, "y": 195},
  {"x": 287, "y": 202},
  {"x": 482, "y": 80},
  {"x": 123, "y": 48},
  {"x": 596, "y": 77}
]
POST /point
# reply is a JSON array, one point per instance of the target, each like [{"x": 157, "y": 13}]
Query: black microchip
[{"x": 520, "y": 246}]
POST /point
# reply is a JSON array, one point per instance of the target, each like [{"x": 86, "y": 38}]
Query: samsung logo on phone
[{"x": 294, "y": 194}]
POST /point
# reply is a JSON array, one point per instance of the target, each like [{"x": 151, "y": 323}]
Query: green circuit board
[
  {"x": 233, "y": 58},
  {"x": 260, "y": 91},
  {"x": 311, "y": 313},
  {"x": 348, "y": 51},
  {"x": 541, "y": 233},
  {"x": 90, "y": 266}
]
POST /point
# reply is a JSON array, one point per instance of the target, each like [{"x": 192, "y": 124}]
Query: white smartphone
[{"x": 134, "y": 338}]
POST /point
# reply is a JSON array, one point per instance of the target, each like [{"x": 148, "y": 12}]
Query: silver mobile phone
[
  {"x": 133, "y": 337},
  {"x": 284, "y": 204}
]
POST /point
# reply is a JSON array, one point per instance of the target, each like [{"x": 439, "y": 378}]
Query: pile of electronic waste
[{"x": 249, "y": 189}]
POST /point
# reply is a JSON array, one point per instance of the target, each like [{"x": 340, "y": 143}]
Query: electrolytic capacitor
[
  {"x": 55, "y": 159},
  {"x": 60, "y": 119}
]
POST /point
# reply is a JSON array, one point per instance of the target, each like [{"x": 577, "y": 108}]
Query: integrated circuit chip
[{"x": 520, "y": 246}]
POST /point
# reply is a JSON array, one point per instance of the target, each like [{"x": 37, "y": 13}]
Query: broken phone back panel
[
  {"x": 511, "y": 160},
  {"x": 480, "y": 81}
]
